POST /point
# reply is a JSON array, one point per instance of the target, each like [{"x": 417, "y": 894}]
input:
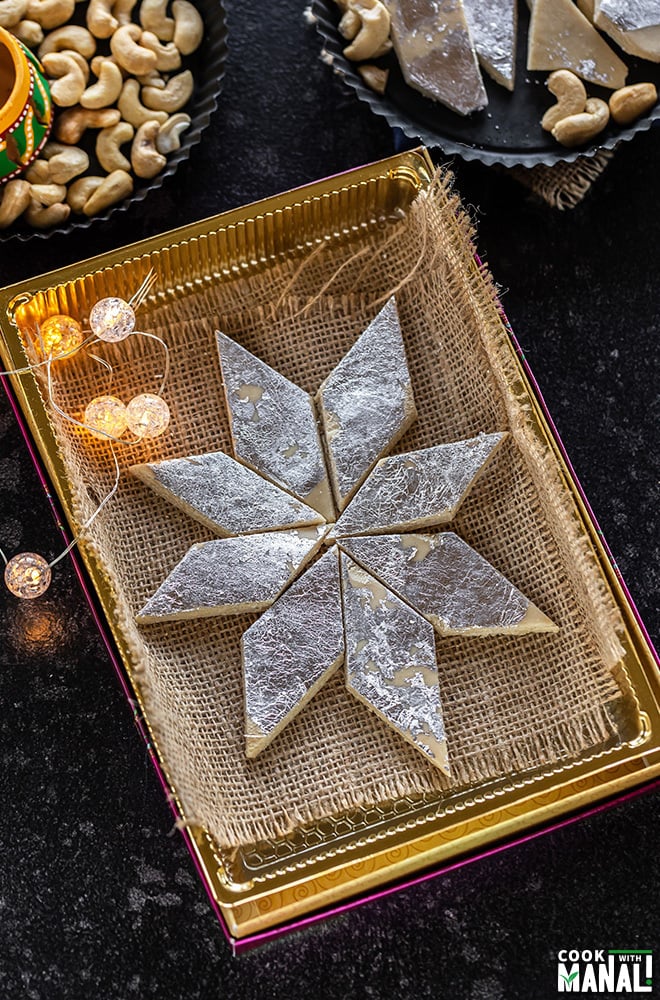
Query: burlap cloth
[
  {"x": 563, "y": 185},
  {"x": 511, "y": 704}
]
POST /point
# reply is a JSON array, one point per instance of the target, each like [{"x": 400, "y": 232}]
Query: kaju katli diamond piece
[
  {"x": 435, "y": 52},
  {"x": 291, "y": 651},
  {"x": 229, "y": 576},
  {"x": 493, "y": 26},
  {"x": 417, "y": 489},
  {"x": 366, "y": 403},
  {"x": 273, "y": 426},
  {"x": 390, "y": 661},
  {"x": 226, "y": 496},
  {"x": 449, "y": 583}
]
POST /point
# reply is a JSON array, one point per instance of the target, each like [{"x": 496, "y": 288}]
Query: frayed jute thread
[
  {"x": 512, "y": 704},
  {"x": 564, "y": 185}
]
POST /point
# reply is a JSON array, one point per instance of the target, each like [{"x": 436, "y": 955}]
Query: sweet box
[{"x": 337, "y": 809}]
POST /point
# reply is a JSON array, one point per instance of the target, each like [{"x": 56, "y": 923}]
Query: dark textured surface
[{"x": 96, "y": 900}]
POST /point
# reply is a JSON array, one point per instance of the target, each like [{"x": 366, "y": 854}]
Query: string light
[
  {"x": 106, "y": 417},
  {"x": 148, "y": 416},
  {"x": 112, "y": 319},
  {"x": 60, "y": 335},
  {"x": 27, "y": 575}
]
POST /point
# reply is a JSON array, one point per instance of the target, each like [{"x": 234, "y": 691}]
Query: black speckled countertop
[{"x": 98, "y": 897}]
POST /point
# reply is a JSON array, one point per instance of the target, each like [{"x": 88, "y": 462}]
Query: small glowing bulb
[
  {"x": 112, "y": 319},
  {"x": 107, "y": 415},
  {"x": 60, "y": 335},
  {"x": 148, "y": 416},
  {"x": 27, "y": 575}
]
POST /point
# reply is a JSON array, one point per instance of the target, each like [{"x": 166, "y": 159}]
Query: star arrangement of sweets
[{"x": 381, "y": 593}]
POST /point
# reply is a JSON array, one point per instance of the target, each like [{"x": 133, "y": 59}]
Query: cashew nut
[
  {"x": 131, "y": 108},
  {"x": 153, "y": 18},
  {"x": 577, "y": 129},
  {"x": 169, "y": 134},
  {"x": 113, "y": 188},
  {"x": 71, "y": 124},
  {"x": 50, "y": 13},
  {"x": 374, "y": 30},
  {"x": 108, "y": 142},
  {"x": 173, "y": 96},
  {"x": 145, "y": 158},
  {"x": 374, "y": 77},
  {"x": 38, "y": 172},
  {"x": 67, "y": 83},
  {"x": 96, "y": 63},
  {"x": 70, "y": 36},
  {"x": 14, "y": 199},
  {"x": 168, "y": 55},
  {"x": 153, "y": 79},
  {"x": 47, "y": 194},
  {"x": 41, "y": 217},
  {"x": 350, "y": 24},
  {"x": 125, "y": 47},
  {"x": 107, "y": 88},
  {"x": 65, "y": 162},
  {"x": 188, "y": 27},
  {"x": 122, "y": 10},
  {"x": 100, "y": 19},
  {"x": 11, "y": 12},
  {"x": 29, "y": 32},
  {"x": 629, "y": 103},
  {"x": 81, "y": 62},
  {"x": 571, "y": 97},
  {"x": 81, "y": 191}
]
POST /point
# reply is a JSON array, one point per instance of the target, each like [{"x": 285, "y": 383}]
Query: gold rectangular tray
[{"x": 317, "y": 867}]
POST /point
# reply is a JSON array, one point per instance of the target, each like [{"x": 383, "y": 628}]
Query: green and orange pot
[{"x": 26, "y": 111}]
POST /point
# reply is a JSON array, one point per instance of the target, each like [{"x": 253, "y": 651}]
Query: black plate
[
  {"x": 208, "y": 68},
  {"x": 508, "y": 131}
]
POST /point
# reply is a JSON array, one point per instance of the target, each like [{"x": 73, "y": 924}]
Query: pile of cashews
[
  {"x": 136, "y": 98},
  {"x": 576, "y": 118},
  {"x": 365, "y": 24}
]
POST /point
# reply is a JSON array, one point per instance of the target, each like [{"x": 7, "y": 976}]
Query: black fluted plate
[{"x": 507, "y": 131}]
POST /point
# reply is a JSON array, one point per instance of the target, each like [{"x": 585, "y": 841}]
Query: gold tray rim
[{"x": 246, "y": 907}]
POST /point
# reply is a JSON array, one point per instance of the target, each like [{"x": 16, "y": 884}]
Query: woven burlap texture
[
  {"x": 511, "y": 703},
  {"x": 564, "y": 185}
]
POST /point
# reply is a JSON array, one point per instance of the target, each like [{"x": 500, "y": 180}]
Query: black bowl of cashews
[{"x": 133, "y": 85}]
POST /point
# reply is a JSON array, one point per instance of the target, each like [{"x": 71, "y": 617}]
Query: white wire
[
  {"x": 57, "y": 357},
  {"x": 93, "y": 517},
  {"x": 152, "y": 336},
  {"x": 138, "y": 298}
]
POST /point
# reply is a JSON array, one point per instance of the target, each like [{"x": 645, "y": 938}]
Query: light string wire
[
  {"x": 89, "y": 520},
  {"x": 108, "y": 497},
  {"x": 139, "y": 297},
  {"x": 57, "y": 357}
]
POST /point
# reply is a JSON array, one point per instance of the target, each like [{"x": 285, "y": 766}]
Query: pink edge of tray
[{"x": 240, "y": 945}]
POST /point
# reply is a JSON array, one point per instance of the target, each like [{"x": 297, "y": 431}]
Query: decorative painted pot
[{"x": 25, "y": 107}]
